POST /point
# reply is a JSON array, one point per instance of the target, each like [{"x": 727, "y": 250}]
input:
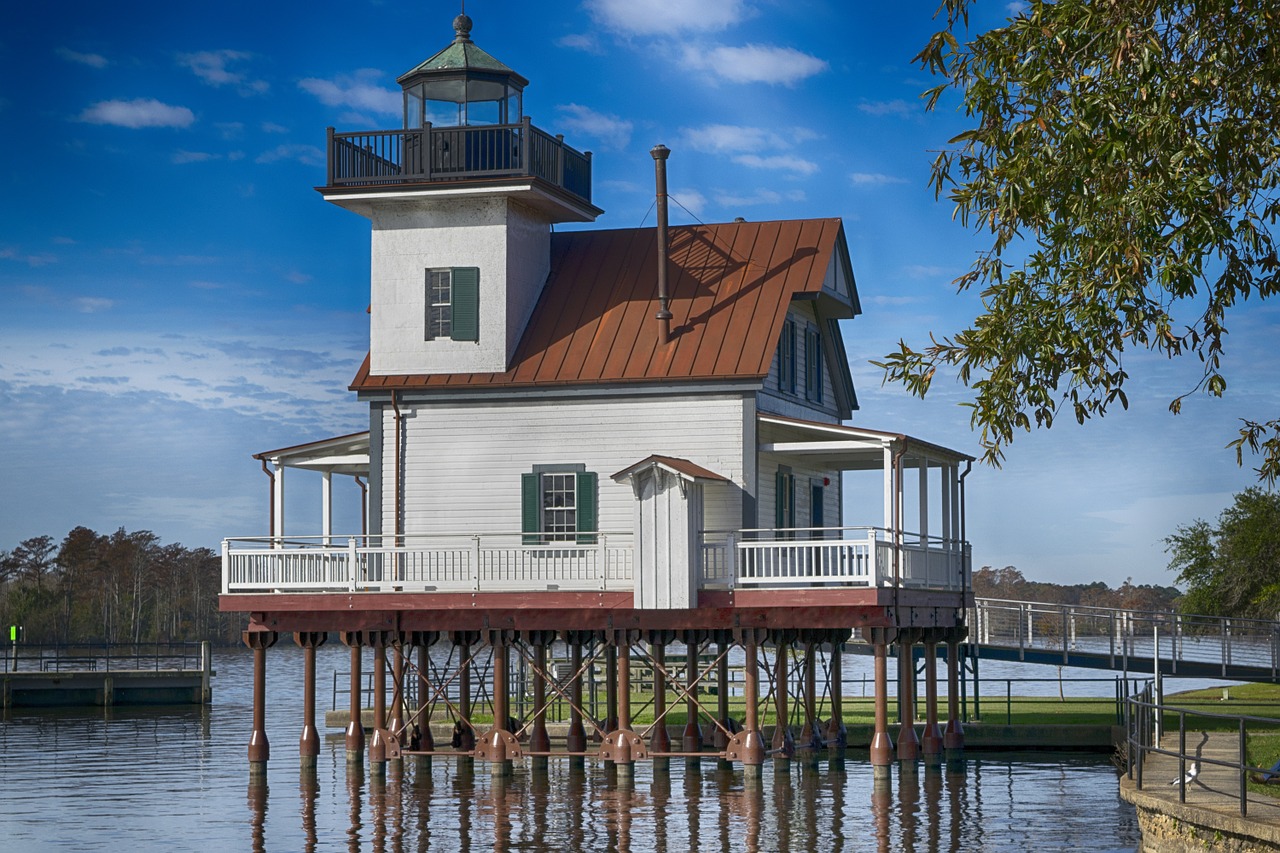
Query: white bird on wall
[
  {"x": 1194, "y": 769},
  {"x": 1192, "y": 772}
]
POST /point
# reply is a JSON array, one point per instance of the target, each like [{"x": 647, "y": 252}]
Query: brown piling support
[
  {"x": 931, "y": 744},
  {"x": 309, "y": 741},
  {"x": 691, "y": 739},
  {"x": 720, "y": 736},
  {"x": 748, "y": 745},
  {"x": 575, "y": 740},
  {"x": 881, "y": 742},
  {"x": 837, "y": 733},
  {"x": 783, "y": 746},
  {"x": 610, "y": 688},
  {"x": 539, "y": 740},
  {"x": 259, "y": 747},
  {"x": 499, "y": 746},
  {"x": 378, "y": 738},
  {"x": 426, "y": 741},
  {"x": 466, "y": 737},
  {"x": 660, "y": 740},
  {"x": 953, "y": 737},
  {"x": 354, "y": 740},
  {"x": 621, "y": 745},
  {"x": 908, "y": 740},
  {"x": 811, "y": 740},
  {"x": 395, "y": 722}
]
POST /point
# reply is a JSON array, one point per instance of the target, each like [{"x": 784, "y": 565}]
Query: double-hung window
[
  {"x": 453, "y": 304},
  {"x": 558, "y": 504}
]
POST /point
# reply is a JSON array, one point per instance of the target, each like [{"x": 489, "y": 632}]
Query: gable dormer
[{"x": 461, "y": 201}]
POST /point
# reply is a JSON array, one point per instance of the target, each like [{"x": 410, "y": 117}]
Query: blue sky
[{"x": 174, "y": 295}]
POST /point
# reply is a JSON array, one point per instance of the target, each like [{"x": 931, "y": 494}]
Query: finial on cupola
[{"x": 462, "y": 26}]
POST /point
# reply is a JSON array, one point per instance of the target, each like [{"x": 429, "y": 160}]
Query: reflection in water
[
  {"x": 258, "y": 815},
  {"x": 991, "y": 803}
]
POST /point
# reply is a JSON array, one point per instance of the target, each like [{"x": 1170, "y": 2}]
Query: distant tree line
[
  {"x": 1009, "y": 583},
  {"x": 118, "y": 588}
]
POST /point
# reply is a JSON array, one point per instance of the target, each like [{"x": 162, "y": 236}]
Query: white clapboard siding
[
  {"x": 772, "y": 399},
  {"x": 463, "y": 460},
  {"x": 832, "y": 496}
]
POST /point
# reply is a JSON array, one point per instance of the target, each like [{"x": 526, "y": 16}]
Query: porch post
[
  {"x": 277, "y": 502},
  {"x": 922, "y": 464},
  {"x": 326, "y": 507}
]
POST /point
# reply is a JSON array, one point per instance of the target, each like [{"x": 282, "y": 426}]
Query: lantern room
[{"x": 461, "y": 86}]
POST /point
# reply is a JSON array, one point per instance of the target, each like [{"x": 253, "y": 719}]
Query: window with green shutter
[
  {"x": 453, "y": 304},
  {"x": 558, "y": 503},
  {"x": 812, "y": 366}
]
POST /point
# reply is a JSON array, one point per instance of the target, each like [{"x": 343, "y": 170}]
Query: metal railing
[
  {"x": 1146, "y": 719},
  {"x": 849, "y": 556},
  {"x": 105, "y": 657},
  {"x": 419, "y": 155},
  {"x": 1120, "y": 635},
  {"x": 420, "y": 563}
]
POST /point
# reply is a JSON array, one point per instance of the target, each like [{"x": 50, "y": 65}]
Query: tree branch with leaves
[{"x": 1124, "y": 166}]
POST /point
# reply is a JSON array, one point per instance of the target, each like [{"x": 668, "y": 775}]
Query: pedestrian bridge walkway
[{"x": 1124, "y": 640}]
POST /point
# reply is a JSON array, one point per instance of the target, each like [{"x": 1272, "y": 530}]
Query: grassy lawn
[{"x": 1255, "y": 700}]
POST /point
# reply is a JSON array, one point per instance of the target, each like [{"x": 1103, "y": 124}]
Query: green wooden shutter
[
  {"x": 466, "y": 304},
  {"x": 779, "y": 500},
  {"x": 530, "y": 508},
  {"x": 587, "y": 516}
]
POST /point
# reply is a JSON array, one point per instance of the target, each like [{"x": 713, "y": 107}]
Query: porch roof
[
  {"x": 343, "y": 454},
  {"x": 844, "y": 447}
]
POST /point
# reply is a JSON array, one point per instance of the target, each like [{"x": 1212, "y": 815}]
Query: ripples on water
[{"x": 177, "y": 779}]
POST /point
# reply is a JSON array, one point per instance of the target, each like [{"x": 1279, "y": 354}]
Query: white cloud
[
  {"x": 138, "y": 113},
  {"x": 182, "y": 157},
  {"x": 613, "y": 131},
  {"x": 308, "y": 155},
  {"x": 874, "y": 179},
  {"x": 358, "y": 91},
  {"x": 755, "y": 63},
  {"x": 666, "y": 17},
  {"x": 11, "y": 254},
  {"x": 729, "y": 138},
  {"x": 93, "y": 60},
  {"x": 93, "y": 304},
  {"x": 272, "y": 127},
  {"x": 580, "y": 41},
  {"x": 211, "y": 66},
  {"x": 690, "y": 200},
  {"x": 762, "y": 196},
  {"x": 896, "y": 107},
  {"x": 926, "y": 270},
  {"x": 778, "y": 163}
]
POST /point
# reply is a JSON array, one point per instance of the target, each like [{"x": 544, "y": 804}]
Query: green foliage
[
  {"x": 1009, "y": 583},
  {"x": 1232, "y": 569},
  {"x": 1124, "y": 164}
]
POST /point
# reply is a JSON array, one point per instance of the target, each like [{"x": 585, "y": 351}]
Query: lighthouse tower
[{"x": 461, "y": 202}]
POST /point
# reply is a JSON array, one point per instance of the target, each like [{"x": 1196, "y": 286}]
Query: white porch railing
[
  {"x": 846, "y": 556},
  {"x": 856, "y": 556},
  {"x": 476, "y": 563}
]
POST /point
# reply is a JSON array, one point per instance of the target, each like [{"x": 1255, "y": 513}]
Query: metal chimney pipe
[{"x": 660, "y": 154}]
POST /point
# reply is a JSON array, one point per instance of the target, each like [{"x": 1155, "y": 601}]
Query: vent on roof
[{"x": 660, "y": 154}]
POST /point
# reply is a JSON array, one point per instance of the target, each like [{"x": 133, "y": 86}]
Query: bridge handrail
[{"x": 1164, "y": 615}]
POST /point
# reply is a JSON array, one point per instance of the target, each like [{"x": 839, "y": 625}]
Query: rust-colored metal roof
[
  {"x": 730, "y": 286},
  {"x": 676, "y": 465}
]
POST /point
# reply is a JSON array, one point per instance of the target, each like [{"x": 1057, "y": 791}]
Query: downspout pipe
[
  {"x": 964, "y": 539},
  {"x": 660, "y": 154},
  {"x": 395, "y": 470}
]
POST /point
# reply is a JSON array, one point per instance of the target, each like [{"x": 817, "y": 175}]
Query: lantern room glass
[{"x": 462, "y": 101}]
